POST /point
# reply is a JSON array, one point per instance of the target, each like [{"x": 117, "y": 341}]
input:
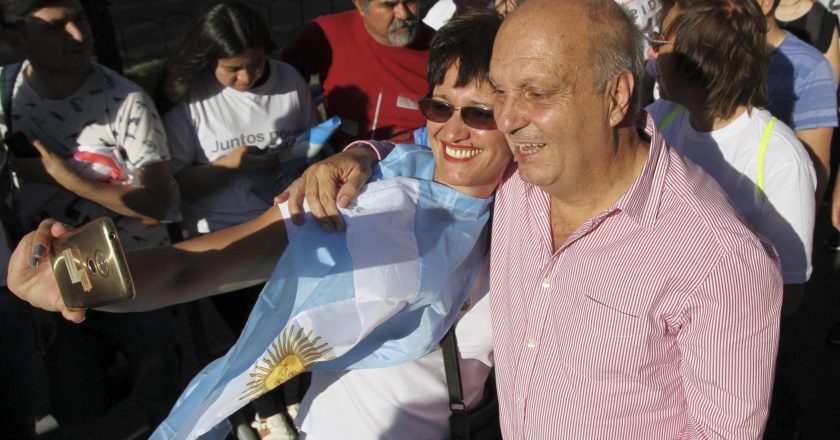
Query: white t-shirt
[
  {"x": 215, "y": 119},
  {"x": 407, "y": 401},
  {"x": 439, "y": 14},
  {"x": 731, "y": 155},
  {"x": 107, "y": 110}
]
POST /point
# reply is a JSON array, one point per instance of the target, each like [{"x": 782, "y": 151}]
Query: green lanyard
[
  {"x": 762, "y": 147},
  {"x": 762, "y": 151},
  {"x": 676, "y": 112}
]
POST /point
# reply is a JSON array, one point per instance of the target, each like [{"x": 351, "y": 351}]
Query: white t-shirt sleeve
[
  {"x": 788, "y": 218},
  {"x": 140, "y": 132},
  {"x": 183, "y": 144}
]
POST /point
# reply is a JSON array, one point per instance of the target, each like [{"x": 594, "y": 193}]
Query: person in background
[
  {"x": 812, "y": 23},
  {"x": 61, "y": 109},
  {"x": 459, "y": 173},
  {"x": 713, "y": 114},
  {"x": 231, "y": 103},
  {"x": 803, "y": 92},
  {"x": 371, "y": 63}
]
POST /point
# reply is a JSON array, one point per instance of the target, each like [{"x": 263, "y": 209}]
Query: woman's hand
[{"x": 30, "y": 274}]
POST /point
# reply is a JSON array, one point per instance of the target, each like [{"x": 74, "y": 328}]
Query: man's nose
[
  {"x": 402, "y": 12},
  {"x": 508, "y": 117}
]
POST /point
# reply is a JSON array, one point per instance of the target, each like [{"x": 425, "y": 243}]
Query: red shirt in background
[{"x": 373, "y": 88}]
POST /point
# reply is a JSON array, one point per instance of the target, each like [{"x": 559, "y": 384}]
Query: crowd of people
[{"x": 653, "y": 168}]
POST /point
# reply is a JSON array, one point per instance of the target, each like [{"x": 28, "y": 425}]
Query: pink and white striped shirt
[{"x": 657, "y": 319}]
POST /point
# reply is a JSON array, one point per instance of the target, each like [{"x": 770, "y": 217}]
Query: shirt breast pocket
[{"x": 604, "y": 341}]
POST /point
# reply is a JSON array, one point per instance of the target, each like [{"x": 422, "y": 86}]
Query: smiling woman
[
  {"x": 355, "y": 308},
  {"x": 470, "y": 154}
]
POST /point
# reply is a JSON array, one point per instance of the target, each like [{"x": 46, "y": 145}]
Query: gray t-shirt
[{"x": 107, "y": 110}]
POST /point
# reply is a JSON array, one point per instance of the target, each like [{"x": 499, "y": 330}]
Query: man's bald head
[{"x": 601, "y": 29}]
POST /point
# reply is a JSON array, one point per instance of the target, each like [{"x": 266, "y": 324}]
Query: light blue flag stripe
[{"x": 387, "y": 290}]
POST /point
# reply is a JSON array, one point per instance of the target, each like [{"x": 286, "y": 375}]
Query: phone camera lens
[
  {"x": 112, "y": 236},
  {"x": 91, "y": 266}
]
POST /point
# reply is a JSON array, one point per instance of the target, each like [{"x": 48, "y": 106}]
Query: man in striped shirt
[{"x": 629, "y": 300}]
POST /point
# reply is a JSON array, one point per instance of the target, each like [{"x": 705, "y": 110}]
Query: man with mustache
[{"x": 371, "y": 63}]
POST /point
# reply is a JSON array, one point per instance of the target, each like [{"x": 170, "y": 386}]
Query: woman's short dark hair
[
  {"x": 467, "y": 39},
  {"x": 223, "y": 30},
  {"x": 721, "y": 45}
]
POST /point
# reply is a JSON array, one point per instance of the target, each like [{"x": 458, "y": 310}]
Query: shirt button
[
  {"x": 520, "y": 399},
  {"x": 531, "y": 343},
  {"x": 546, "y": 283}
]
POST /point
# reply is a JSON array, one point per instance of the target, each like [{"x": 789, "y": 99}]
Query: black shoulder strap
[
  {"x": 7, "y": 84},
  {"x": 449, "y": 347},
  {"x": 820, "y": 25}
]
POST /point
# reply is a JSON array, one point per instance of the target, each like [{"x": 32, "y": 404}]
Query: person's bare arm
[
  {"x": 198, "y": 180},
  {"x": 818, "y": 143},
  {"x": 833, "y": 54},
  {"x": 319, "y": 186},
  {"x": 835, "y": 207},
  {"x": 149, "y": 200},
  {"x": 215, "y": 263}
]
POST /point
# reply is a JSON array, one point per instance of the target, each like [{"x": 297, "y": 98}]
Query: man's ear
[
  {"x": 15, "y": 40},
  {"x": 621, "y": 97}
]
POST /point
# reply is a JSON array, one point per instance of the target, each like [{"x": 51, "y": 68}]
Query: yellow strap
[
  {"x": 762, "y": 151},
  {"x": 674, "y": 113}
]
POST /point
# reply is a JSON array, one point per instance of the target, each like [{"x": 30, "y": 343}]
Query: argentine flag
[{"x": 382, "y": 293}]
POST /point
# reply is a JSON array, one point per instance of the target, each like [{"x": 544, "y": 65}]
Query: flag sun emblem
[{"x": 290, "y": 354}]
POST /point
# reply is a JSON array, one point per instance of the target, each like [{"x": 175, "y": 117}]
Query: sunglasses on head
[{"x": 480, "y": 118}]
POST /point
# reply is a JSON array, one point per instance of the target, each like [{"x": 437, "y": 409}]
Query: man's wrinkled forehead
[{"x": 534, "y": 46}]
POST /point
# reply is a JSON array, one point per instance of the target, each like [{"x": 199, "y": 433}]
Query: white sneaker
[{"x": 274, "y": 428}]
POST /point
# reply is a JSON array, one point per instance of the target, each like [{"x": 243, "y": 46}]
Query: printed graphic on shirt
[
  {"x": 643, "y": 12},
  {"x": 831, "y": 5},
  {"x": 263, "y": 139}
]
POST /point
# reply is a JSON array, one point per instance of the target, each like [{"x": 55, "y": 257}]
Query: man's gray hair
[{"x": 617, "y": 45}]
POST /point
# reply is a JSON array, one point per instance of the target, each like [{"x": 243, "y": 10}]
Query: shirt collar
[{"x": 641, "y": 202}]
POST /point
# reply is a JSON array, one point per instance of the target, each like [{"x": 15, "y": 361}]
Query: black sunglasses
[{"x": 480, "y": 118}]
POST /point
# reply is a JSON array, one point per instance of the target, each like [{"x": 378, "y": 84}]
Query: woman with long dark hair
[{"x": 231, "y": 102}]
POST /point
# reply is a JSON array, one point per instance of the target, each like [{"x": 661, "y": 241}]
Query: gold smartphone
[{"x": 90, "y": 266}]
